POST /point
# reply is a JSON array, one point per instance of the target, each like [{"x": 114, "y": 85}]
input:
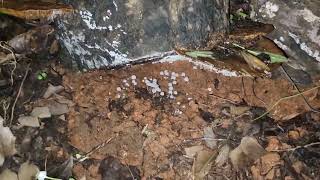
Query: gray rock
[
  {"x": 107, "y": 33},
  {"x": 29, "y": 121},
  {"x": 41, "y": 112},
  {"x": 297, "y": 29}
]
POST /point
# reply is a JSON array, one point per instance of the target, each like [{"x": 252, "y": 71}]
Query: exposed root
[
  {"x": 298, "y": 147},
  {"x": 297, "y": 88},
  {"x": 11, "y": 58},
  {"x": 18, "y": 94},
  {"x": 282, "y": 99}
]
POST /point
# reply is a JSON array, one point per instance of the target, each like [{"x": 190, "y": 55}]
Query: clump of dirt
[{"x": 147, "y": 115}]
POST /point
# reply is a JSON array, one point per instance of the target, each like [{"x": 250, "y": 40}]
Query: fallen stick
[
  {"x": 18, "y": 94},
  {"x": 282, "y": 99}
]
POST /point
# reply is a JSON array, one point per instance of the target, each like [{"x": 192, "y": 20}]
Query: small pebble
[
  {"x": 178, "y": 103},
  {"x": 183, "y": 74},
  {"x": 174, "y": 82},
  {"x": 161, "y": 93},
  {"x": 175, "y": 92},
  {"x": 124, "y": 81},
  {"x": 133, "y": 77},
  {"x": 161, "y": 73},
  {"x": 166, "y": 73},
  {"x": 186, "y": 79},
  {"x": 209, "y": 89},
  {"x": 118, "y": 88},
  {"x": 118, "y": 96},
  {"x": 170, "y": 88},
  {"x": 169, "y": 84}
]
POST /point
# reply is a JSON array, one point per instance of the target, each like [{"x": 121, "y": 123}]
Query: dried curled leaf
[
  {"x": 34, "y": 9},
  {"x": 254, "y": 62},
  {"x": 202, "y": 164},
  {"x": 7, "y": 174},
  {"x": 7, "y": 142},
  {"x": 28, "y": 171}
]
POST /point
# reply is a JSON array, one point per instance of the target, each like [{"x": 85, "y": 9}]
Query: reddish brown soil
[{"x": 150, "y": 131}]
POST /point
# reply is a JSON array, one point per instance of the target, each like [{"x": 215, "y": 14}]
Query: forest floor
[
  {"x": 176, "y": 118},
  {"x": 166, "y": 120}
]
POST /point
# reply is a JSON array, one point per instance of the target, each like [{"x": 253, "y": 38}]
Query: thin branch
[
  {"x": 18, "y": 94},
  {"x": 297, "y": 88},
  {"x": 298, "y": 147},
  {"x": 282, "y": 99}
]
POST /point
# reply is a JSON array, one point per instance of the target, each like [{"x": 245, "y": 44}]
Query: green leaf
[
  {"x": 196, "y": 54},
  {"x": 274, "y": 58}
]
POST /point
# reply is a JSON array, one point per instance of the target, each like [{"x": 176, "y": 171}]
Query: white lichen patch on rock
[
  {"x": 313, "y": 53},
  {"x": 269, "y": 9},
  {"x": 200, "y": 64}
]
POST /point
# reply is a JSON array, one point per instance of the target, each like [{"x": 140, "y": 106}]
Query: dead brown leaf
[
  {"x": 7, "y": 142},
  {"x": 202, "y": 164},
  {"x": 7, "y": 174},
  {"x": 27, "y": 171}
]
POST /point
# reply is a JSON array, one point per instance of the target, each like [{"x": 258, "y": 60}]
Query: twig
[
  {"x": 100, "y": 146},
  {"x": 297, "y": 88},
  {"x": 282, "y": 99},
  {"x": 219, "y": 97},
  {"x": 298, "y": 147},
  {"x": 8, "y": 58},
  {"x": 18, "y": 94}
]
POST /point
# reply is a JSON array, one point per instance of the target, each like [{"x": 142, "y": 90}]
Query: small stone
[
  {"x": 183, "y": 74},
  {"x": 161, "y": 73},
  {"x": 52, "y": 90},
  {"x": 58, "y": 108},
  {"x": 186, "y": 79},
  {"x": 29, "y": 121},
  {"x": 161, "y": 93},
  {"x": 174, "y": 82},
  {"x": 175, "y": 92},
  {"x": 118, "y": 88},
  {"x": 192, "y": 151},
  {"x": 62, "y": 117},
  {"x": 209, "y": 89},
  {"x": 133, "y": 77},
  {"x": 41, "y": 112},
  {"x": 294, "y": 135}
]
